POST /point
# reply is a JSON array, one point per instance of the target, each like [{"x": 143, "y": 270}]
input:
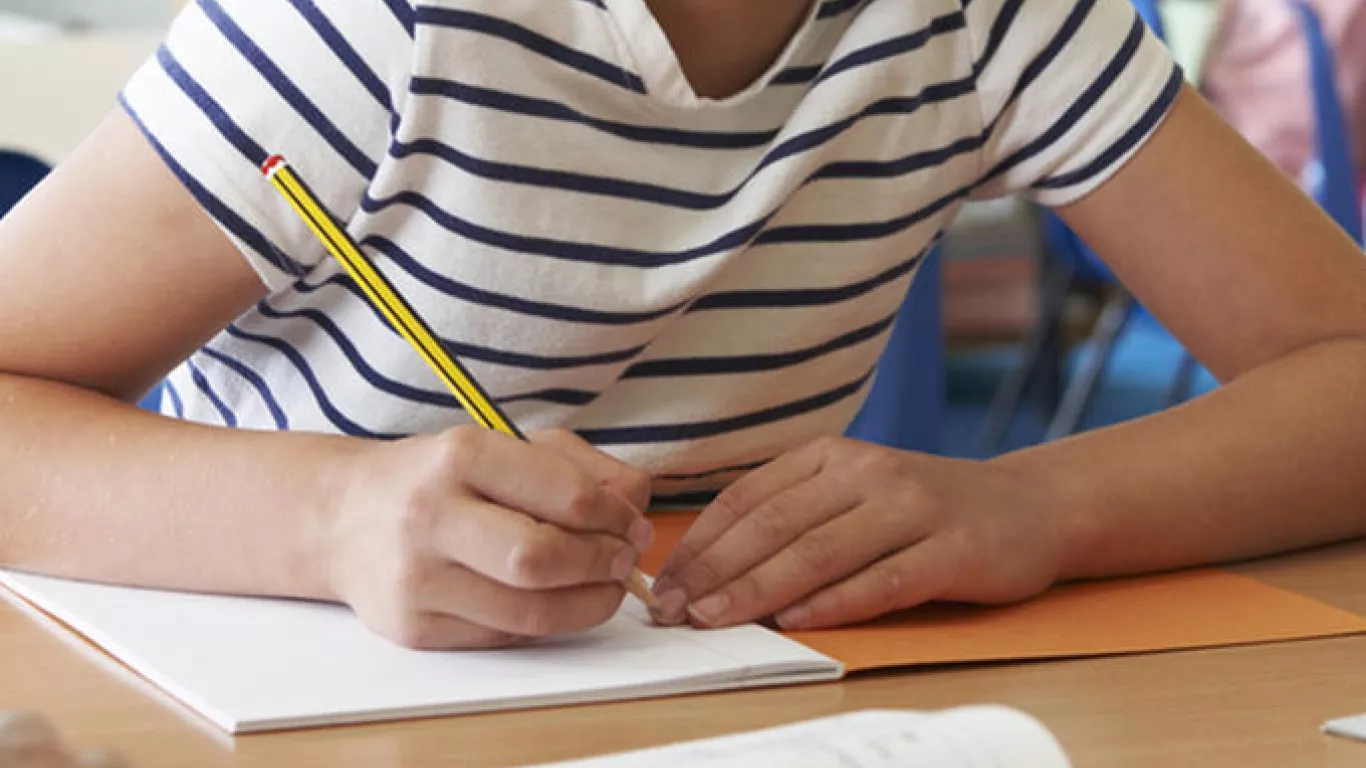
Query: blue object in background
[
  {"x": 19, "y": 173},
  {"x": 906, "y": 407},
  {"x": 1334, "y": 182}
]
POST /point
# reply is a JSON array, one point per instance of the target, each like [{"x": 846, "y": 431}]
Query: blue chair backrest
[
  {"x": 1335, "y": 187},
  {"x": 19, "y": 173},
  {"x": 905, "y": 408},
  {"x": 1152, "y": 15}
]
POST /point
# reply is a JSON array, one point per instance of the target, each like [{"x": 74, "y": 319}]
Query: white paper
[
  {"x": 1347, "y": 727},
  {"x": 971, "y": 737},
  {"x": 251, "y": 664}
]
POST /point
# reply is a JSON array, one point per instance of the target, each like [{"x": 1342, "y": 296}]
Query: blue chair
[
  {"x": 19, "y": 173},
  {"x": 1334, "y": 188},
  {"x": 905, "y": 408},
  {"x": 1070, "y": 264},
  {"x": 1334, "y": 183}
]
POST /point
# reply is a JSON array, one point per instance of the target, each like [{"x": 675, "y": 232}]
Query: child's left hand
[{"x": 841, "y": 531}]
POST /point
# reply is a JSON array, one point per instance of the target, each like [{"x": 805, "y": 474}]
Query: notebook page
[
  {"x": 251, "y": 664},
  {"x": 972, "y": 737}
]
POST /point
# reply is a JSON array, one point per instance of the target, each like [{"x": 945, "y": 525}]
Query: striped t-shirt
[{"x": 693, "y": 285}]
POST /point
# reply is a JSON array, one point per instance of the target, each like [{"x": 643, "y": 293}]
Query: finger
[
  {"x": 100, "y": 759},
  {"x": 535, "y": 480},
  {"x": 913, "y": 576},
  {"x": 822, "y": 555},
  {"x": 631, "y": 483},
  {"x": 753, "y": 540},
  {"x": 739, "y": 499},
  {"x": 431, "y": 631},
  {"x": 520, "y": 552},
  {"x": 479, "y": 600}
]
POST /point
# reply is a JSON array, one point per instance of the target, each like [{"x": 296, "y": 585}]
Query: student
[
  {"x": 1256, "y": 75},
  {"x": 669, "y": 236}
]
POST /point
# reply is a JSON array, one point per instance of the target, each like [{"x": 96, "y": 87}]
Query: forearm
[
  {"x": 96, "y": 489},
  {"x": 1270, "y": 462}
]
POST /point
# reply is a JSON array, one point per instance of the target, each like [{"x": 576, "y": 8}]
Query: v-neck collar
[{"x": 657, "y": 63}]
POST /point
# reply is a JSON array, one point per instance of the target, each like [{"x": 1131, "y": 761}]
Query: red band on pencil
[{"x": 272, "y": 164}]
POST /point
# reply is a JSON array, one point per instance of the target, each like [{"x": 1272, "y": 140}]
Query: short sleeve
[
  {"x": 317, "y": 81},
  {"x": 1069, "y": 89}
]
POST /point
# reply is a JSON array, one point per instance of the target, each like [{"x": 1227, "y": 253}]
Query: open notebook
[
  {"x": 970, "y": 737},
  {"x": 254, "y": 665},
  {"x": 251, "y": 664}
]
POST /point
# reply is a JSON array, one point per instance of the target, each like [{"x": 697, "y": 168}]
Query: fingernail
[
  {"x": 641, "y": 534},
  {"x": 796, "y": 617},
  {"x": 623, "y": 563},
  {"x": 673, "y": 605},
  {"x": 709, "y": 610}
]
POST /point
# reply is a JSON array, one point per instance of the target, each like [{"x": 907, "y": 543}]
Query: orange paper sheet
[{"x": 1202, "y": 608}]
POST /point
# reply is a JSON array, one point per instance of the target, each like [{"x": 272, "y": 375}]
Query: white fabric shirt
[{"x": 694, "y": 285}]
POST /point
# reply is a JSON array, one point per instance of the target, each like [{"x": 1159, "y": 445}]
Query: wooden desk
[{"x": 1244, "y": 707}]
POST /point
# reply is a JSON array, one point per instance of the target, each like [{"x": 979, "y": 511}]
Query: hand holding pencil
[{"x": 575, "y": 528}]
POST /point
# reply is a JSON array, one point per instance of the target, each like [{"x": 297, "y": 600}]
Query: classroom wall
[{"x": 103, "y": 13}]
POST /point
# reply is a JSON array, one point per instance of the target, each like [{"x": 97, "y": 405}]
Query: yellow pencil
[{"x": 402, "y": 317}]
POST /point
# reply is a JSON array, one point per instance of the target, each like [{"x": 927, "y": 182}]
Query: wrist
[
  {"x": 1065, "y": 505},
  {"x": 330, "y": 479}
]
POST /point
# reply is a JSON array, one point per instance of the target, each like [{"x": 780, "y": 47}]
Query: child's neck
[{"x": 725, "y": 45}]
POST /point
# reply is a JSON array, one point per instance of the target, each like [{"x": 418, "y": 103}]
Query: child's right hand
[{"x": 472, "y": 539}]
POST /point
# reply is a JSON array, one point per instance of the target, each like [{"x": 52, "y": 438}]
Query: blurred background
[{"x": 1036, "y": 339}]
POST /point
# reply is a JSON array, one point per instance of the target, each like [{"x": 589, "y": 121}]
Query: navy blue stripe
[
  {"x": 1079, "y": 108},
  {"x": 253, "y": 152},
  {"x": 1005, "y": 19},
  {"x": 551, "y": 110},
  {"x": 802, "y": 297},
  {"x": 531, "y": 41},
  {"x": 440, "y": 399},
  {"x": 899, "y": 106},
  {"x": 517, "y": 104},
  {"x": 345, "y": 52},
  {"x": 670, "y": 433},
  {"x": 689, "y": 500},
  {"x": 468, "y": 293},
  {"x": 597, "y": 3},
  {"x": 587, "y": 253},
  {"x": 1040, "y": 63},
  {"x": 467, "y": 351},
  {"x": 796, "y": 75},
  {"x": 398, "y": 389},
  {"x": 919, "y": 161},
  {"x": 337, "y": 418},
  {"x": 276, "y": 413},
  {"x": 1127, "y": 142},
  {"x": 287, "y": 90},
  {"x": 202, "y": 382},
  {"x": 557, "y": 396},
  {"x": 565, "y": 180},
  {"x": 225, "y": 216},
  {"x": 403, "y": 12},
  {"x": 845, "y": 233},
  {"x": 832, "y": 8},
  {"x": 177, "y": 404},
  {"x": 680, "y": 198},
  {"x": 708, "y": 366},
  {"x": 897, "y": 46},
  {"x": 749, "y": 467}
]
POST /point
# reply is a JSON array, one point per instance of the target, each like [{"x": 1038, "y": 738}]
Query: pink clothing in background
[{"x": 1257, "y": 75}]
